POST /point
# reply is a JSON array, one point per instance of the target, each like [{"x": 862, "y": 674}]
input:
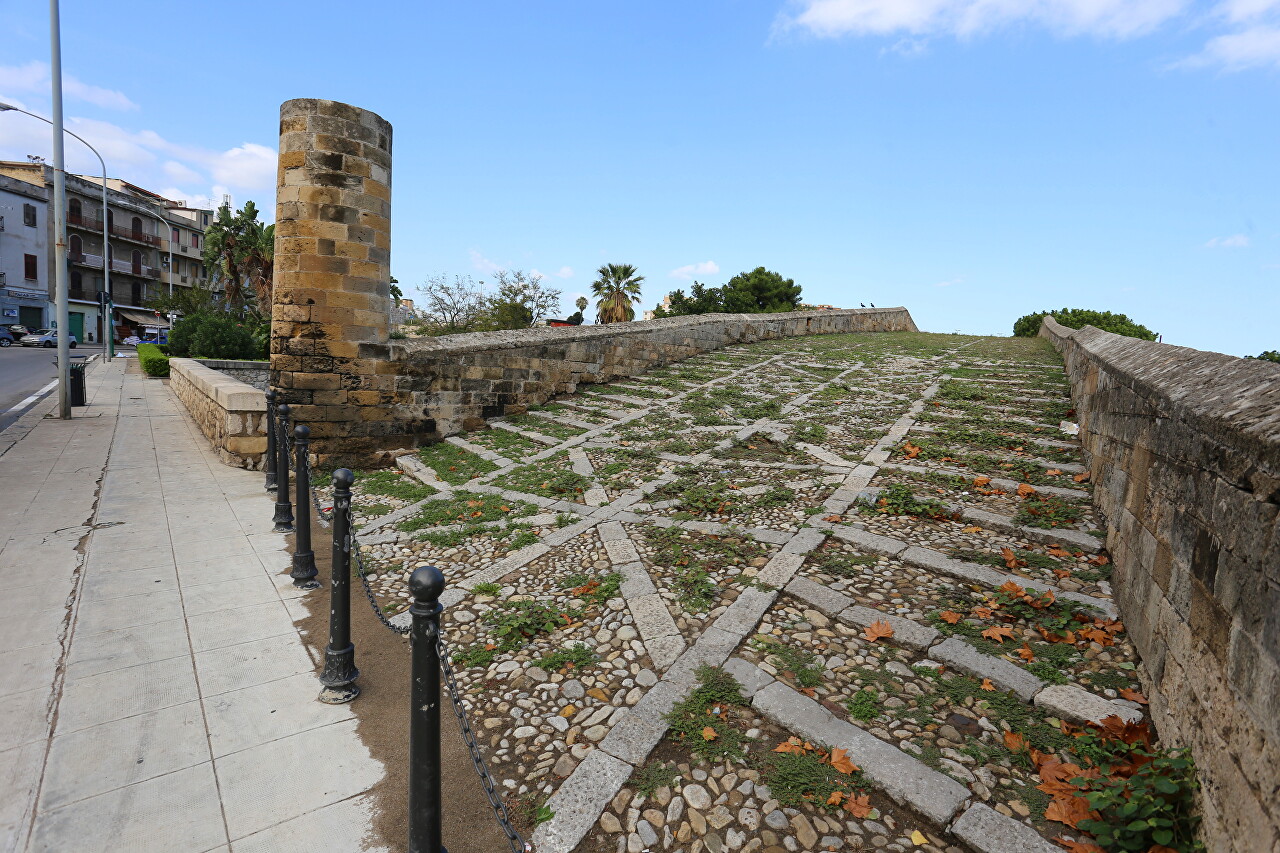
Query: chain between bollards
[
  {"x": 304, "y": 559},
  {"x": 425, "y": 584},
  {"x": 284, "y": 511},
  {"x": 340, "y": 673},
  {"x": 269, "y": 460}
]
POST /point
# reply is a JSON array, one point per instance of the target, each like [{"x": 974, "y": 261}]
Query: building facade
[
  {"x": 154, "y": 246},
  {"x": 24, "y": 254}
]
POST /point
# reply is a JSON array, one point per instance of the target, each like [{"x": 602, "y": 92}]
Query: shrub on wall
[
  {"x": 181, "y": 334},
  {"x": 1077, "y": 318},
  {"x": 153, "y": 361},
  {"x": 223, "y": 337}
]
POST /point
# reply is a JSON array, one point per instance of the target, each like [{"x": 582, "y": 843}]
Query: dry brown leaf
[
  {"x": 878, "y": 631},
  {"x": 840, "y": 761},
  {"x": 950, "y": 617},
  {"x": 988, "y": 686},
  {"x": 1069, "y": 810},
  {"x": 836, "y": 798},
  {"x": 1133, "y": 696},
  {"x": 792, "y": 745},
  {"x": 974, "y": 529},
  {"x": 1014, "y": 742},
  {"x": 1025, "y": 490},
  {"x": 981, "y": 482},
  {"x": 1053, "y": 472},
  {"x": 1099, "y": 560},
  {"x": 910, "y": 450},
  {"x": 999, "y": 633},
  {"x": 1026, "y": 654},
  {"x": 709, "y": 733},
  {"x": 834, "y": 518},
  {"x": 859, "y": 807},
  {"x": 1012, "y": 588},
  {"x": 1011, "y": 560},
  {"x": 1056, "y": 550},
  {"x": 1080, "y": 478},
  {"x": 1081, "y": 846}
]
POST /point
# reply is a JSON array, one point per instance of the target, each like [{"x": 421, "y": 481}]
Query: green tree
[
  {"x": 701, "y": 300},
  {"x": 616, "y": 289},
  {"x": 760, "y": 291},
  {"x": 1269, "y": 355},
  {"x": 396, "y": 293},
  {"x": 238, "y": 252},
  {"x": 1028, "y": 326},
  {"x": 521, "y": 300}
]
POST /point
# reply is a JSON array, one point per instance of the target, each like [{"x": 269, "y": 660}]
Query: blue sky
[{"x": 973, "y": 160}]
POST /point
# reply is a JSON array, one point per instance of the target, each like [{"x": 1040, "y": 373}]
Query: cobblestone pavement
[{"x": 886, "y": 539}]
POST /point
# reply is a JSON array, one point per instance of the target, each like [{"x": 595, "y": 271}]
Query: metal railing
[{"x": 288, "y": 454}]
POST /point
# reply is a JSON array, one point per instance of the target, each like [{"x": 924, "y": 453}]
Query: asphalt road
[{"x": 26, "y": 370}]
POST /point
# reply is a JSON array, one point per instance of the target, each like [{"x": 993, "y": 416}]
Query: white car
[{"x": 44, "y": 338}]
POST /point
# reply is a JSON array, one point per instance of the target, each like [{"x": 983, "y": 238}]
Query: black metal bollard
[
  {"x": 284, "y": 510},
  {"x": 269, "y": 461},
  {"x": 425, "y": 817},
  {"x": 304, "y": 559},
  {"x": 340, "y": 673}
]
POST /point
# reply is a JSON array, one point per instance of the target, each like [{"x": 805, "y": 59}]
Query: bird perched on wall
[
  {"x": 873, "y": 305},
  {"x": 862, "y": 304}
]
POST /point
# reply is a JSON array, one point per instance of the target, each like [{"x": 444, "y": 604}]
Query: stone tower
[{"x": 332, "y": 309}]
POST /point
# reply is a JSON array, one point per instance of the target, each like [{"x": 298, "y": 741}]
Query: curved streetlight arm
[{"x": 108, "y": 327}]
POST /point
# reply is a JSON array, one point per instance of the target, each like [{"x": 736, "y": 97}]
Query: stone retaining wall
[
  {"x": 230, "y": 413},
  {"x": 1184, "y": 451},
  {"x": 458, "y": 381}
]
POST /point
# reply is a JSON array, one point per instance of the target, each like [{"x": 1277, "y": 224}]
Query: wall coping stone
[
  {"x": 231, "y": 394},
  {"x": 516, "y": 338},
  {"x": 233, "y": 364},
  {"x": 1234, "y": 400}
]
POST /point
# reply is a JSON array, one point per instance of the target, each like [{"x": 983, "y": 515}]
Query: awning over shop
[{"x": 143, "y": 318}]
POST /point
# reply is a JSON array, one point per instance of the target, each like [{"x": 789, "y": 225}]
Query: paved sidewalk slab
[{"x": 156, "y": 695}]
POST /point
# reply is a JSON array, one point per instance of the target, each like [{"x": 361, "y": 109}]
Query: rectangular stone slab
[
  {"x": 1004, "y": 675},
  {"x": 986, "y": 830}
]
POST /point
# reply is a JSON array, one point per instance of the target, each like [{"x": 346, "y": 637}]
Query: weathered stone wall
[
  {"x": 332, "y": 304},
  {"x": 231, "y": 414},
  {"x": 1184, "y": 450},
  {"x": 254, "y": 373},
  {"x": 456, "y": 382}
]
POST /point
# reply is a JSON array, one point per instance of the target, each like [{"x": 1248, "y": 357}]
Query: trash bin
[{"x": 78, "y": 365}]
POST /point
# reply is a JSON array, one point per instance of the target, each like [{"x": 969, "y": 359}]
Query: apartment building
[
  {"x": 24, "y": 253},
  {"x": 154, "y": 246}
]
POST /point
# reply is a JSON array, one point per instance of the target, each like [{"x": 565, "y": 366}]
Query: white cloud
[
  {"x": 1254, "y": 47},
  {"x": 1101, "y": 18},
  {"x": 181, "y": 172},
  {"x": 483, "y": 264},
  {"x": 689, "y": 271},
  {"x": 1235, "y": 241},
  {"x": 564, "y": 272},
  {"x": 948, "y": 282},
  {"x": 34, "y": 78},
  {"x": 248, "y": 166}
]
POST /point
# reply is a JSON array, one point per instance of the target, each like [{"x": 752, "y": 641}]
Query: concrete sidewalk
[{"x": 155, "y": 694}]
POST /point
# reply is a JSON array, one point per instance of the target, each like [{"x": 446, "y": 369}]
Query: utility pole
[{"x": 61, "y": 306}]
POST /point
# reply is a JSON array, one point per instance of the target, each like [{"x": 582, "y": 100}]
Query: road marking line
[{"x": 34, "y": 398}]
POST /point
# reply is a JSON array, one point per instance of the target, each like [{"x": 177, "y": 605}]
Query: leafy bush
[
  {"x": 1269, "y": 355},
  {"x": 1077, "y": 318},
  {"x": 223, "y": 337},
  {"x": 154, "y": 362},
  {"x": 182, "y": 333}
]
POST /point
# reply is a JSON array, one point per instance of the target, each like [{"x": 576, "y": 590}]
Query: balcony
[
  {"x": 95, "y": 262},
  {"x": 91, "y": 223}
]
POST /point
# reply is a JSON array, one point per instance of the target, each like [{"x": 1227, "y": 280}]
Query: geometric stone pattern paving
[{"x": 724, "y": 511}]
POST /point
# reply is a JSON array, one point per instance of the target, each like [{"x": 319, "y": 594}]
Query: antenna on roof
[{"x": 226, "y": 199}]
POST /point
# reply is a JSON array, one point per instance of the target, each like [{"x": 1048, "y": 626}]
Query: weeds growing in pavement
[
  {"x": 392, "y": 484},
  {"x": 543, "y": 479},
  {"x": 863, "y": 705},
  {"x": 453, "y": 464},
  {"x": 799, "y": 772},
  {"x": 898, "y": 499},
  {"x": 1048, "y": 511},
  {"x": 654, "y": 775},
  {"x": 475, "y": 654},
  {"x": 465, "y": 508},
  {"x": 703, "y": 722},
  {"x": 574, "y": 657},
  {"x": 595, "y": 590},
  {"x": 800, "y": 664},
  {"x": 514, "y": 623},
  {"x": 841, "y": 564},
  {"x": 490, "y": 589}
]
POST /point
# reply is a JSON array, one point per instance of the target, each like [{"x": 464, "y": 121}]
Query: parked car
[
  {"x": 18, "y": 330},
  {"x": 6, "y": 339},
  {"x": 44, "y": 338}
]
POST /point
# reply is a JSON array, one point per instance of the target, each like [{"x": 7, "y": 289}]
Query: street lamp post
[
  {"x": 61, "y": 306},
  {"x": 108, "y": 326}
]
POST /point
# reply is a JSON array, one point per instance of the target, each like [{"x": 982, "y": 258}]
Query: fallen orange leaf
[
  {"x": 1014, "y": 742},
  {"x": 791, "y": 745},
  {"x": 1080, "y": 846},
  {"x": 1012, "y": 588},
  {"x": 1100, "y": 560},
  {"x": 974, "y": 529},
  {"x": 1069, "y": 810},
  {"x": 840, "y": 761},
  {"x": 987, "y": 685},
  {"x": 1025, "y": 490},
  {"x": 836, "y": 798},
  {"x": 910, "y": 450},
  {"x": 950, "y": 617},
  {"x": 1056, "y": 550},
  {"x": 709, "y": 733},
  {"x": 999, "y": 633},
  {"x": 1133, "y": 696},
  {"x": 1053, "y": 472},
  {"x": 878, "y": 631},
  {"x": 1011, "y": 560},
  {"x": 981, "y": 481},
  {"x": 1080, "y": 478},
  {"x": 859, "y": 807},
  {"x": 834, "y": 518},
  {"x": 1025, "y": 653}
]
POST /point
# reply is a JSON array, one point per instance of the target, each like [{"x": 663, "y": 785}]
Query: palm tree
[
  {"x": 582, "y": 303},
  {"x": 617, "y": 287},
  {"x": 259, "y": 262}
]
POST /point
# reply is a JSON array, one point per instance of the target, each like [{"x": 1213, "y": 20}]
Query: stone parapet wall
[
  {"x": 457, "y": 381},
  {"x": 1184, "y": 451},
  {"x": 231, "y": 413},
  {"x": 254, "y": 373}
]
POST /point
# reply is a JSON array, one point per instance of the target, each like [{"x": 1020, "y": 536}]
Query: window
[
  {"x": 206, "y": 219},
  {"x": 195, "y": 240},
  {"x": 77, "y": 281},
  {"x": 74, "y": 245},
  {"x": 75, "y": 207},
  {"x": 32, "y": 266},
  {"x": 136, "y": 294},
  {"x": 177, "y": 235},
  {"x": 29, "y": 216}
]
